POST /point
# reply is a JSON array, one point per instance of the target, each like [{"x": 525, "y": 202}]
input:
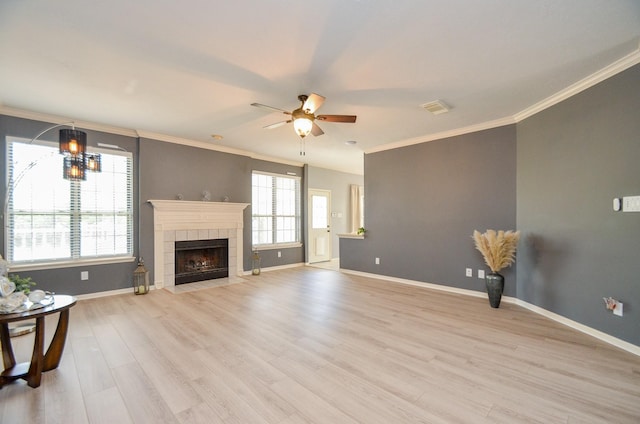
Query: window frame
[
  {"x": 75, "y": 209},
  {"x": 274, "y": 216}
]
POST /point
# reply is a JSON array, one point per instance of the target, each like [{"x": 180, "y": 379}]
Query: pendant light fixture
[{"x": 73, "y": 145}]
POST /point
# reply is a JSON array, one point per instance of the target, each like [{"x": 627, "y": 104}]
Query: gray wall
[
  {"x": 422, "y": 203},
  {"x": 573, "y": 159},
  {"x": 67, "y": 280},
  {"x": 168, "y": 169},
  {"x": 339, "y": 184}
]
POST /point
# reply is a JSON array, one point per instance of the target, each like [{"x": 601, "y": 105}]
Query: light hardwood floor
[{"x": 308, "y": 345}]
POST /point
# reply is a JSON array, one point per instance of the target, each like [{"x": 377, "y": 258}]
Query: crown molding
[
  {"x": 55, "y": 119},
  {"x": 444, "y": 134},
  {"x": 608, "y": 71},
  {"x": 216, "y": 147}
]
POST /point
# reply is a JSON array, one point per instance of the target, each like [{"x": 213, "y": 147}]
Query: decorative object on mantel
[
  {"x": 498, "y": 249},
  {"x": 361, "y": 231},
  {"x": 255, "y": 263},
  {"x": 141, "y": 278},
  {"x": 206, "y": 196}
]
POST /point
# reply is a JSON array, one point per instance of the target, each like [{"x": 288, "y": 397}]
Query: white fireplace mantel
[{"x": 179, "y": 220}]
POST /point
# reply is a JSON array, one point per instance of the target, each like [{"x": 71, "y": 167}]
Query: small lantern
[
  {"x": 255, "y": 263},
  {"x": 141, "y": 279}
]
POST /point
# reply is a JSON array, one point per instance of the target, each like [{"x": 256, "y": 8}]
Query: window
[
  {"x": 275, "y": 209},
  {"x": 50, "y": 219}
]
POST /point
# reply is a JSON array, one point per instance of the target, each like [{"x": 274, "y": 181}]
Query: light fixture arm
[
  {"x": 13, "y": 182},
  {"x": 66, "y": 124}
]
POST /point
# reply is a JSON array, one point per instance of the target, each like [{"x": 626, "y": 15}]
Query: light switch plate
[
  {"x": 631, "y": 204},
  {"x": 481, "y": 273}
]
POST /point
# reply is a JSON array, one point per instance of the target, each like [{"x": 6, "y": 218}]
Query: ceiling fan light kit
[{"x": 304, "y": 117}]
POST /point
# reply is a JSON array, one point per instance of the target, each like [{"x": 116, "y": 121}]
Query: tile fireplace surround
[{"x": 180, "y": 220}]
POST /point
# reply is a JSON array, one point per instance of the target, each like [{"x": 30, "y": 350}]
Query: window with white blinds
[
  {"x": 275, "y": 209},
  {"x": 51, "y": 219}
]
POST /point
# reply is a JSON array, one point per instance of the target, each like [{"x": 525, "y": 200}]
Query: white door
[{"x": 319, "y": 225}]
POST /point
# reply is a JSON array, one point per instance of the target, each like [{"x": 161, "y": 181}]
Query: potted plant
[{"x": 499, "y": 251}]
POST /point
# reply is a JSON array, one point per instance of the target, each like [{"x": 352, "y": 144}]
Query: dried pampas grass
[{"x": 497, "y": 247}]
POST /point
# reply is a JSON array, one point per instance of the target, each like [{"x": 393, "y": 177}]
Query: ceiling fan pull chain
[{"x": 302, "y": 152}]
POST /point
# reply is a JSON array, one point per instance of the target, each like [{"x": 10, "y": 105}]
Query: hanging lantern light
[
  {"x": 141, "y": 279},
  {"x": 73, "y": 168},
  {"x": 73, "y": 142},
  {"x": 255, "y": 263},
  {"x": 93, "y": 162}
]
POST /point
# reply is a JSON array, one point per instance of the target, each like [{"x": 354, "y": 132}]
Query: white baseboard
[
  {"x": 614, "y": 341},
  {"x": 107, "y": 293},
  {"x": 275, "y": 268}
]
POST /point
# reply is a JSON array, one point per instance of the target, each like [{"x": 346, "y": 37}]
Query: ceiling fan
[{"x": 304, "y": 117}]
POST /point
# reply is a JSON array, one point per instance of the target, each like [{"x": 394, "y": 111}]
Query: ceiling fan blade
[
  {"x": 316, "y": 130},
  {"x": 277, "y": 124},
  {"x": 313, "y": 103},
  {"x": 337, "y": 118},
  {"x": 274, "y": 109}
]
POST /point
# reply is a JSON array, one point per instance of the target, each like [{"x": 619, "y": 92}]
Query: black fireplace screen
[{"x": 199, "y": 260}]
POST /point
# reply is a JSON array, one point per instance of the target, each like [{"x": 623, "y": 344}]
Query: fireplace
[
  {"x": 182, "y": 220},
  {"x": 200, "y": 260}
]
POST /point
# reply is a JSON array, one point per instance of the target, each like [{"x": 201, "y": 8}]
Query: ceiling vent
[{"x": 436, "y": 107}]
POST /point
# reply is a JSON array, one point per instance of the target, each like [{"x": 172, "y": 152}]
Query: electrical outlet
[
  {"x": 84, "y": 275},
  {"x": 618, "y": 309},
  {"x": 279, "y": 254},
  {"x": 481, "y": 273},
  {"x": 377, "y": 261},
  {"x": 469, "y": 272},
  {"x": 613, "y": 305}
]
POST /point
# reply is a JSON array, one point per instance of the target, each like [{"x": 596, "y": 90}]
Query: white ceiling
[{"x": 189, "y": 69}]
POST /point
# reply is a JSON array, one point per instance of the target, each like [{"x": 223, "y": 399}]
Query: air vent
[{"x": 436, "y": 107}]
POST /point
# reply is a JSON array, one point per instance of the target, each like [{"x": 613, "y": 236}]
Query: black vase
[{"x": 495, "y": 286}]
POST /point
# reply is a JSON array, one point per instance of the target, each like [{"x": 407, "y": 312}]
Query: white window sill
[
  {"x": 67, "y": 264},
  {"x": 352, "y": 236},
  {"x": 276, "y": 246}
]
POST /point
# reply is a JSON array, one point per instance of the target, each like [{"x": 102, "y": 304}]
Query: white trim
[
  {"x": 614, "y": 341},
  {"x": 186, "y": 220},
  {"x": 608, "y": 71},
  {"x": 44, "y": 117},
  {"x": 275, "y": 268},
  {"x": 629, "y": 347},
  {"x": 108, "y": 293},
  {"x": 351, "y": 236},
  {"x": 292, "y": 245},
  {"x": 445, "y": 134},
  {"x": 70, "y": 264},
  {"x": 217, "y": 147},
  {"x": 597, "y": 77}
]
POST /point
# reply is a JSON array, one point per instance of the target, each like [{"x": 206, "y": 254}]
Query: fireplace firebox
[{"x": 200, "y": 260}]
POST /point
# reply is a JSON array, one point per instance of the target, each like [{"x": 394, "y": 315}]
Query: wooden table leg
[
  {"x": 35, "y": 369},
  {"x": 8, "y": 358},
  {"x": 7, "y": 350},
  {"x": 54, "y": 352}
]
